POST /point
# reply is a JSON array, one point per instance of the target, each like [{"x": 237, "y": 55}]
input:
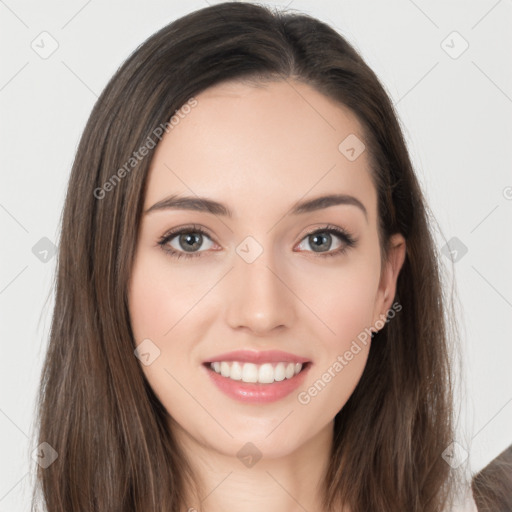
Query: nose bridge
[{"x": 260, "y": 301}]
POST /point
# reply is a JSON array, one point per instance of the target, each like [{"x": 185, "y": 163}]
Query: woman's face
[{"x": 258, "y": 279}]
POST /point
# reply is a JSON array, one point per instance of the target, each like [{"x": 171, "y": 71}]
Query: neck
[{"x": 274, "y": 484}]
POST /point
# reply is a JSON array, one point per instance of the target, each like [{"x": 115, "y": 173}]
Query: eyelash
[{"x": 347, "y": 239}]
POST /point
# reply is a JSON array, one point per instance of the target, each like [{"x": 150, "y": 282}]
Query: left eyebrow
[
  {"x": 203, "y": 204},
  {"x": 322, "y": 202}
]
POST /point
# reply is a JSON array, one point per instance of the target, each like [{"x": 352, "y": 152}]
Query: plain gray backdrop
[{"x": 446, "y": 66}]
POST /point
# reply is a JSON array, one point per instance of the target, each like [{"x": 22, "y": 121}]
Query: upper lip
[{"x": 258, "y": 357}]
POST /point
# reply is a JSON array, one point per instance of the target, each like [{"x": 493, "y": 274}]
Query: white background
[{"x": 457, "y": 118}]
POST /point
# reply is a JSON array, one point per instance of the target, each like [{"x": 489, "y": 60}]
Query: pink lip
[
  {"x": 255, "y": 392},
  {"x": 258, "y": 357}
]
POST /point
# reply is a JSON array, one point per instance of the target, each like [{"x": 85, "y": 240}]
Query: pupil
[
  {"x": 191, "y": 241},
  {"x": 323, "y": 240}
]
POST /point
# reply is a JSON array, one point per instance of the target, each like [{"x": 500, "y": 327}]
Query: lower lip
[{"x": 255, "y": 392}]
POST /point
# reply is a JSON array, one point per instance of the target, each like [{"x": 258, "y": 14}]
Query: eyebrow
[{"x": 203, "y": 204}]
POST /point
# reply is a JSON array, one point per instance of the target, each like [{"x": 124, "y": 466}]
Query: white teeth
[
  {"x": 279, "y": 372},
  {"x": 249, "y": 372},
  {"x": 236, "y": 371},
  {"x": 266, "y": 374},
  {"x": 225, "y": 369}
]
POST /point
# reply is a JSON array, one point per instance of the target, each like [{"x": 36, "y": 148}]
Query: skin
[{"x": 258, "y": 149}]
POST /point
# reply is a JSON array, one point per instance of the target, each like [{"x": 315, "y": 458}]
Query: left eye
[{"x": 322, "y": 239}]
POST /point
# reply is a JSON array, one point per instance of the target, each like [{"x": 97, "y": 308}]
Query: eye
[
  {"x": 322, "y": 239},
  {"x": 184, "y": 241}
]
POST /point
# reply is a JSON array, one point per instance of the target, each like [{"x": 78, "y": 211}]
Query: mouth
[{"x": 251, "y": 373}]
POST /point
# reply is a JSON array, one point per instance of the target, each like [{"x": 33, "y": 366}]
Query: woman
[{"x": 249, "y": 311}]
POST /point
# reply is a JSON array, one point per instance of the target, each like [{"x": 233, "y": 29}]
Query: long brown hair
[{"x": 97, "y": 411}]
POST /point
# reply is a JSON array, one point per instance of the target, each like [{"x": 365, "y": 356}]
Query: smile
[{"x": 256, "y": 383}]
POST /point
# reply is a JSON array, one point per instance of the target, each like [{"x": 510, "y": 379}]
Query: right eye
[{"x": 177, "y": 242}]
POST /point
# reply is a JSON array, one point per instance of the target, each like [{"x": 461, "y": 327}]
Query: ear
[{"x": 389, "y": 276}]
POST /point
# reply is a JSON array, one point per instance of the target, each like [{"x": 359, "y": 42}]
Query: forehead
[{"x": 265, "y": 144}]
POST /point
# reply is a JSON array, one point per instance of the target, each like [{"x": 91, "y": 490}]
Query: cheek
[
  {"x": 161, "y": 297},
  {"x": 158, "y": 305},
  {"x": 342, "y": 300},
  {"x": 344, "y": 303},
  {"x": 150, "y": 303}
]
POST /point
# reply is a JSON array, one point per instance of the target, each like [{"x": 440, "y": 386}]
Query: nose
[{"x": 259, "y": 296}]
